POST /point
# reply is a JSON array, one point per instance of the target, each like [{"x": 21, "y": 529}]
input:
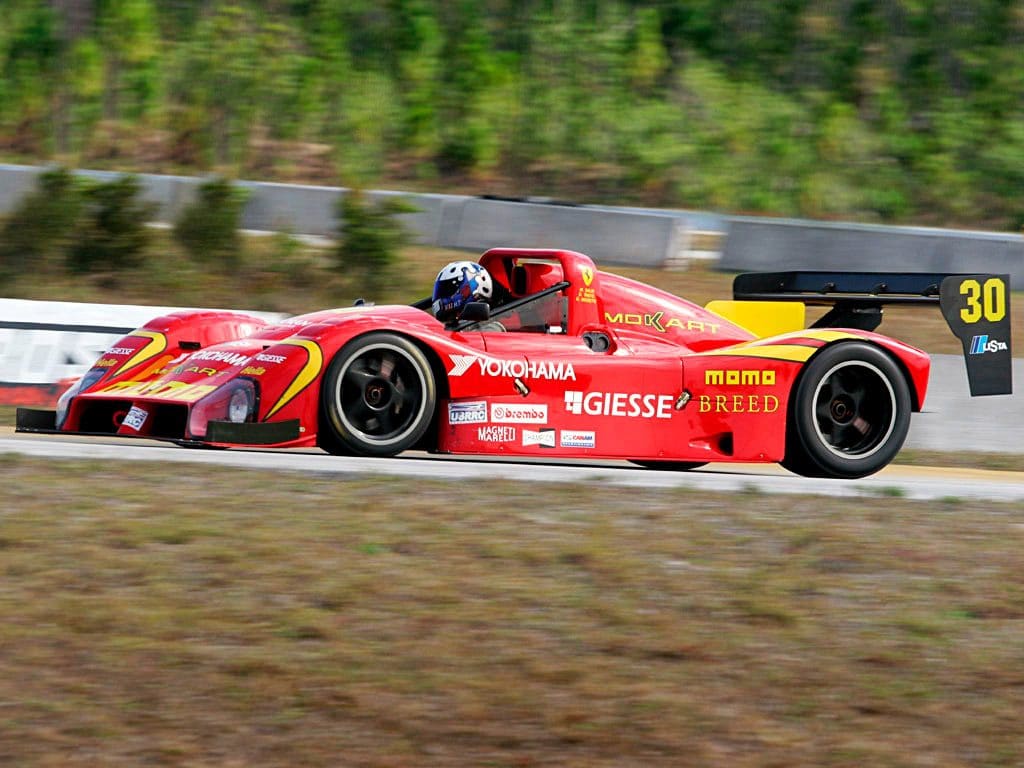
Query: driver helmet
[{"x": 458, "y": 284}]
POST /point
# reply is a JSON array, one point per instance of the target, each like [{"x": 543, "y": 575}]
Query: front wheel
[
  {"x": 849, "y": 414},
  {"x": 378, "y": 397}
]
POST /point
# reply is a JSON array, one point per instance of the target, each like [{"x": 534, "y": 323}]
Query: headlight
[
  {"x": 234, "y": 402},
  {"x": 240, "y": 405},
  {"x": 64, "y": 402}
]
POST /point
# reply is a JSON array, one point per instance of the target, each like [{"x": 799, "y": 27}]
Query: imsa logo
[{"x": 739, "y": 378}]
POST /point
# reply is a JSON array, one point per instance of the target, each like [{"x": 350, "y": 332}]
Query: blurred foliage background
[{"x": 875, "y": 110}]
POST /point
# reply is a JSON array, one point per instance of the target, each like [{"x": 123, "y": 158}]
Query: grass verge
[{"x": 244, "y": 619}]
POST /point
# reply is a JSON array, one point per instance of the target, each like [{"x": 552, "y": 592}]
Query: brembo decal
[{"x": 309, "y": 372}]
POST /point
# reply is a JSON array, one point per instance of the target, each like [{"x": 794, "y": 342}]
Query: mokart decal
[
  {"x": 619, "y": 404},
  {"x": 659, "y": 322},
  {"x": 314, "y": 364},
  {"x": 519, "y": 414},
  {"x": 165, "y": 390},
  {"x": 157, "y": 344},
  {"x": 512, "y": 369},
  {"x": 544, "y": 438},
  {"x": 467, "y": 413},
  {"x": 739, "y": 378}
]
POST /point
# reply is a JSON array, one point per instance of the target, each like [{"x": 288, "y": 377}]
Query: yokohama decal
[{"x": 489, "y": 366}]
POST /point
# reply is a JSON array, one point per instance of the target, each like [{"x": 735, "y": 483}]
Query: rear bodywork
[{"x": 592, "y": 365}]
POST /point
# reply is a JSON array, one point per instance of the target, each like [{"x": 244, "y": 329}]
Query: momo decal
[
  {"x": 519, "y": 414},
  {"x": 512, "y": 369},
  {"x": 739, "y": 378},
  {"x": 619, "y": 404}
]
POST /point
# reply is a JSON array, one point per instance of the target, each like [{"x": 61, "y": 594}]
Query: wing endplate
[{"x": 977, "y": 310}]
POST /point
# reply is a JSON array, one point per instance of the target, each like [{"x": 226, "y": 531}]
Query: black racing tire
[
  {"x": 849, "y": 414},
  {"x": 378, "y": 397},
  {"x": 667, "y": 466}
]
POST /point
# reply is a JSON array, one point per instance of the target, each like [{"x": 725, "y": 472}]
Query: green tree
[
  {"x": 208, "y": 227},
  {"x": 112, "y": 232},
  {"x": 41, "y": 225},
  {"x": 128, "y": 36},
  {"x": 371, "y": 236}
]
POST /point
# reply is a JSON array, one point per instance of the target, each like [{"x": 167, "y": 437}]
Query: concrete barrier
[
  {"x": 610, "y": 236},
  {"x": 757, "y": 244}
]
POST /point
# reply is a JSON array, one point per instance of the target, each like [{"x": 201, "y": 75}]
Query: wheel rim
[
  {"x": 854, "y": 409},
  {"x": 380, "y": 396}
]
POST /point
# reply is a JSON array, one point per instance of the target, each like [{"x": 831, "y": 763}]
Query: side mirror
[{"x": 475, "y": 312}]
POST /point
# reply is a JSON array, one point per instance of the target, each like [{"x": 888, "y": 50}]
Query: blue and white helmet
[{"x": 458, "y": 284}]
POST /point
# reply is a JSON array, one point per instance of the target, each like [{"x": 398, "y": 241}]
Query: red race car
[{"x": 572, "y": 363}]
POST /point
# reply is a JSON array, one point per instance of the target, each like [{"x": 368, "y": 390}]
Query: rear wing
[{"x": 976, "y": 308}]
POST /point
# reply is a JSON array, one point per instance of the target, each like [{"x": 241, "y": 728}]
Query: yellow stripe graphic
[
  {"x": 157, "y": 344},
  {"x": 779, "y": 349},
  {"x": 309, "y": 372}
]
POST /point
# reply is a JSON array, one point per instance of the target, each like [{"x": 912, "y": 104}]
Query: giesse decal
[{"x": 619, "y": 404}]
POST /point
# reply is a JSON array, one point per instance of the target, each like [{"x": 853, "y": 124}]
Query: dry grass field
[{"x": 210, "y": 617}]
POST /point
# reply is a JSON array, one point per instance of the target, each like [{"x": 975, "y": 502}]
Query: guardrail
[
  {"x": 620, "y": 236},
  {"x": 609, "y": 234},
  {"x": 760, "y": 244}
]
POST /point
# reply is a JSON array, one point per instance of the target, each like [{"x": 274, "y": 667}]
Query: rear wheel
[
  {"x": 378, "y": 397},
  {"x": 849, "y": 414}
]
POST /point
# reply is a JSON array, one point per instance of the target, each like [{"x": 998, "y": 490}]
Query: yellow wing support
[{"x": 763, "y": 318}]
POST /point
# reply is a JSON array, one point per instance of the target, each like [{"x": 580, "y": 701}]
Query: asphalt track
[{"x": 925, "y": 483}]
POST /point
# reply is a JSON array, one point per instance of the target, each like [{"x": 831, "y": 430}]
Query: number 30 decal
[{"x": 988, "y": 300}]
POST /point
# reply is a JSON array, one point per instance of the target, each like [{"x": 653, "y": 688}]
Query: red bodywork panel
[{"x": 626, "y": 371}]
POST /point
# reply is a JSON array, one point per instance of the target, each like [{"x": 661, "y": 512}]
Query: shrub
[
  {"x": 371, "y": 237},
  {"x": 208, "y": 228},
  {"x": 41, "y": 224},
  {"x": 113, "y": 230}
]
